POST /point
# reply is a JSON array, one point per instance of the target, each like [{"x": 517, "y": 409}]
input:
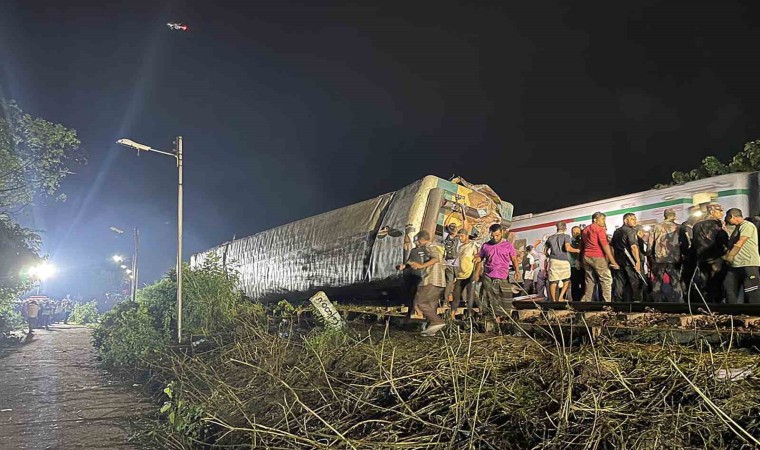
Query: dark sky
[{"x": 292, "y": 108}]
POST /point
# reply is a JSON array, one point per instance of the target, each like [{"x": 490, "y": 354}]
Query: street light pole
[
  {"x": 179, "y": 238},
  {"x": 177, "y": 155},
  {"x": 134, "y": 264}
]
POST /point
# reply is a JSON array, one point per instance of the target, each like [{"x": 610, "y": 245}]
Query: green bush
[
  {"x": 127, "y": 335},
  {"x": 134, "y": 330},
  {"x": 85, "y": 313}
]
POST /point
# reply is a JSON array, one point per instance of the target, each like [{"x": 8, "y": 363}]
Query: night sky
[{"x": 289, "y": 109}]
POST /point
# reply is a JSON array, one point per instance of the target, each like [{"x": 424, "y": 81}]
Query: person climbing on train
[
  {"x": 558, "y": 248},
  {"x": 493, "y": 262},
  {"x": 626, "y": 281},
  {"x": 743, "y": 259},
  {"x": 597, "y": 258},
  {"x": 427, "y": 258},
  {"x": 463, "y": 287},
  {"x": 665, "y": 243},
  {"x": 708, "y": 246}
]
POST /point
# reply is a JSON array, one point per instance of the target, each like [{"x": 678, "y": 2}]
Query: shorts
[{"x": 559, "y": 270}]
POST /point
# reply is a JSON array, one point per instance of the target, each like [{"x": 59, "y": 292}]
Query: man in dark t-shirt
[
  {"x": 708, "y": 245},
  {"x": 626, "y": 285}
]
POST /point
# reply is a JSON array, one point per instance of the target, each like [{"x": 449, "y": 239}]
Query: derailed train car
[{"x": 351, "y": 252}]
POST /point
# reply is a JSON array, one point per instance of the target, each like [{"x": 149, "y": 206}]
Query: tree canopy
[
  {"x": 35, "y": 156},
  {"x": 747, "y": 160}
]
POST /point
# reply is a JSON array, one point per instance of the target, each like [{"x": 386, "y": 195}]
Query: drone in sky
[{"x": 177, "y": 26}]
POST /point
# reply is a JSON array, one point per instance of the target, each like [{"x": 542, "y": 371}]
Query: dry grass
[{"x": 382, "y": 389}]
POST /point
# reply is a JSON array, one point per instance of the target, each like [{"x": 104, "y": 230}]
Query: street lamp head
[
  {"x": 132, "y": 144},
  {"x": 117, "y": 258},
  {"x": 123, "y": 266}
]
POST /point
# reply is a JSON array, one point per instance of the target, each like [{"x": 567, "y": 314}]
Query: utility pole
[
  {"x": 134, "y": 264},
  {"x": 179, "y": 238}
]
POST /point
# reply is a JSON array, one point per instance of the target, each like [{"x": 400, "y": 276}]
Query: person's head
[
  {"x": 629, "y": 219},
  {"x": 422, "y": 238},
  {"x": 451, "y": 228},
  {"x": 463, "y": 235},
  {"x": 734, "y": 216},
  {"x": 529, "y": 249},
  {"x": 715, "y": 210},
  {"x": 669, "y": 214},
  {"x": 599, "y": 218},
  {"x": 561, "y": 227},
  {"x": 575, "y": 231},
  {"x": 497, "y": 234}
]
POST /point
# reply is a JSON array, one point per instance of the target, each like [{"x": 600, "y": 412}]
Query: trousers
[{"x": 597, "y": 268}]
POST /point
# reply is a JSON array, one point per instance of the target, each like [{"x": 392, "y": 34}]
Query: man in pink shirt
[
  {"x": 597, "y": 258},
  {"x": 493, "y": 262}
]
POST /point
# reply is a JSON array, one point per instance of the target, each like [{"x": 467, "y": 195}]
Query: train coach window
[{"x": 703, "y": 197}]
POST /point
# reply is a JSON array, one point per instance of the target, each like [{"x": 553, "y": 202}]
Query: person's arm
[
  {"x": 435, "y": 257},
  {"x": 737, "y": 246},
  {"x": 570, "y": 249},
  {"x": 635, "y": 254},
  {"x": 516, "y": 264},
  {"x": 607, "y": 252}
]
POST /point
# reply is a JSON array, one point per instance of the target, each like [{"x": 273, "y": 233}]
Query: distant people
[
  {"x": 597, "y": 258},
  {"x": 558, "y": 248},
  {"x": 493, "y": 263},
  {"x": 44, "y": 315},
  {"x": 450, "y": 247},
  {"x": 626, "y": 281},
  {"x": 32, "y": 314},
  {"x": 463, "y": 287},
  {"x": 665, "y": 258},
  {"x": 709, "y": 245},
  {"x": 743, "y": 260},
  {"x": 577, "y": 282},
  {"x": 432, "y": 280},
  {"x": 529, "y": 265}
]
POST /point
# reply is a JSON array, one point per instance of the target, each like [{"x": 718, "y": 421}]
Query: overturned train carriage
[{"x": 351, "y": 252}]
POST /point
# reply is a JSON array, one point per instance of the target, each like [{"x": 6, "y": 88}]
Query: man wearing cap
[
  {"x": 665, "y": 257},
  {"x": 743, "y": 260},
  {"x": 709, "y": 244},
  {"x": 493, "y": 262},
  {"x": 432, "y": 280}
]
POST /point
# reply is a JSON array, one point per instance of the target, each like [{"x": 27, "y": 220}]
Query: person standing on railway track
[
  {"x": 432, "y": 280},
  {"x": 493, "y": 262},
  {"x": 463, "y": 287},
  {"x": 597, "y": 258},
  {"x": 665, "y": 243},
  {"x": 709, "y": 245},
  {"x": 743, "y": 260},
  {"x": 577, "y": 283},
  {"x": 450, "y": 247},
  {"x": 558, "y": 248},
  {"x": 626, "y": 281}
]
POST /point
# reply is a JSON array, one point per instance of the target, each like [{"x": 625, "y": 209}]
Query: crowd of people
[
  {"x": 43, "y": 312},
  {"x": 714, "y": 255}
]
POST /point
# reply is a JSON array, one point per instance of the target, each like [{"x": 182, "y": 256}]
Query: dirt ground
[{"x": 53, "y": 395}]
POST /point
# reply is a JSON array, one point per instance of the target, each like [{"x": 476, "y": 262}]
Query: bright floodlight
[
  {"x": 132, "y": 144},
  {"x": 647, "y": 228},
  {"x": 697, "y": 213},
  {"x": 123, "y": 266},
  {"x": 43, "y": 271},
  {"x": 117, "y": 258}
]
